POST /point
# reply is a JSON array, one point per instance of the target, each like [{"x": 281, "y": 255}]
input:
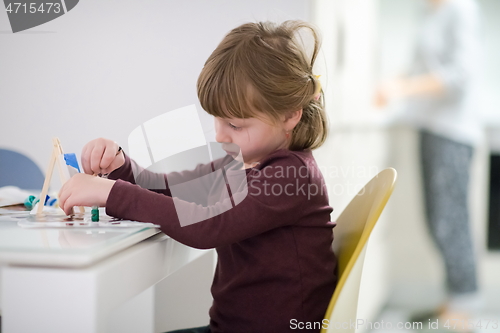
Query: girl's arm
[
  {"x": 103, "y": 156},
  {"x": 87, "y": 190},
  {"x": 269, "y": 202},
  {"x": 200, "y": 177}
]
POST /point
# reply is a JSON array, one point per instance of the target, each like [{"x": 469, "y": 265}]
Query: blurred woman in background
[{"x": 440, "y": 99}]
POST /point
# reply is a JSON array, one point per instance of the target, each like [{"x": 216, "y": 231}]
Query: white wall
[
  {"x": 349, "y": 47},
  {"x": 105, "y": 67}
]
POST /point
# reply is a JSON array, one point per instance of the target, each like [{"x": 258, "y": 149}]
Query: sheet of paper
[
  {"x": 12, "y": 195},
  {"x": 78, "y": 221}
]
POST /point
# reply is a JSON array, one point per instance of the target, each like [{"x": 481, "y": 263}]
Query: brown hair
[{"x": 261, "y": 67}]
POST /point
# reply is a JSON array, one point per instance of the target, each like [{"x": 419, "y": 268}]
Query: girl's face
[{"x": 255, "y": 138}]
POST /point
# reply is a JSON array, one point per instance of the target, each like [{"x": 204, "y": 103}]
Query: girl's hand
[
  {"x": 100, "y": 156},
  {"x": 84, "y": 190}
]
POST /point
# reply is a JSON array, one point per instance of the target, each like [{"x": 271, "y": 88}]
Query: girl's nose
[{"x": 220, "y": 136}]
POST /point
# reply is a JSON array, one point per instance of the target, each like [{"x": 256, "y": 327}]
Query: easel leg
[
  {"x": 55, "y": 158},
  {"x": 46, "y": 183}
]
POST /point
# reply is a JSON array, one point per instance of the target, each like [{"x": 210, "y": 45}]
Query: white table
[{"x": 73, "y": 279}]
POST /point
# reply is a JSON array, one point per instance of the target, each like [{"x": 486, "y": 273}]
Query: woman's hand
[
  {"x": 380, "y": 99},
  {"x": 429, "y": 85},
  {"x": 389, "y": 91},
  {"x": 101, "y": 156},
  {"x": 84, "y": 190}
]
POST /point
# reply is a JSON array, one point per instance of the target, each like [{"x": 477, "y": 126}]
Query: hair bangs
[{"x": 225, "y": 91}]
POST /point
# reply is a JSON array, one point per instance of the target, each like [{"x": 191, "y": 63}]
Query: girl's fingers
[
  {"x": 118, "y": 160},
  {"x": 108, "y": 156},
  {"x": 68, "y": 207},
  {"x": 64, "y": 194},
  {"x": 84, "y": 190},
  {"x": 99, "y": 156},
  {"x": 95, "y": 158},
  {"x": 86, "y": 159}
]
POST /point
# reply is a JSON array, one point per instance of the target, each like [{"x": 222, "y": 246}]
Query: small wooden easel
[{"x": 54, "y": 158}]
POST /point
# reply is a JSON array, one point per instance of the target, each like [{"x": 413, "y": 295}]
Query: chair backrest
[
  {"x": 18, "y": 170},
  {"x": 354, "y": 227}
]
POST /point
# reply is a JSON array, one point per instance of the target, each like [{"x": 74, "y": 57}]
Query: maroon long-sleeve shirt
[{"x": 275, "y": 265}]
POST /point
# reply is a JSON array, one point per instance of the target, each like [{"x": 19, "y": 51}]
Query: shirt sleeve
[
  {"x": 131, "y": 172},
  {"x": 271, "y": 202}
]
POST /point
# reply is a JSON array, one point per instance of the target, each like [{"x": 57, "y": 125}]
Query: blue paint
[{"x": 72, "y": 161}]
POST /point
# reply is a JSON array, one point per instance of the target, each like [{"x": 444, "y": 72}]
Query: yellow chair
[{"x": 351, "y": 235}]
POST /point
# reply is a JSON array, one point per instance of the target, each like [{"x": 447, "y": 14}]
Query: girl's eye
[{"x": 236, "y": 128}]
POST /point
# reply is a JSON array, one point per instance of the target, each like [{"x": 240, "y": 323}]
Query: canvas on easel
[{"x": 67, "y": 165}]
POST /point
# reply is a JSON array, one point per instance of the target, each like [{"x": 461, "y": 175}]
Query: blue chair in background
[{"x": 18, "y": 170}]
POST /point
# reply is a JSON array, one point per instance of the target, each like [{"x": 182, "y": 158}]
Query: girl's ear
[{"x": 292, "y": 119}]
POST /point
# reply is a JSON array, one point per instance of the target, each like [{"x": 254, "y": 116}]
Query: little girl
[{"x": 276, "y": 269}]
